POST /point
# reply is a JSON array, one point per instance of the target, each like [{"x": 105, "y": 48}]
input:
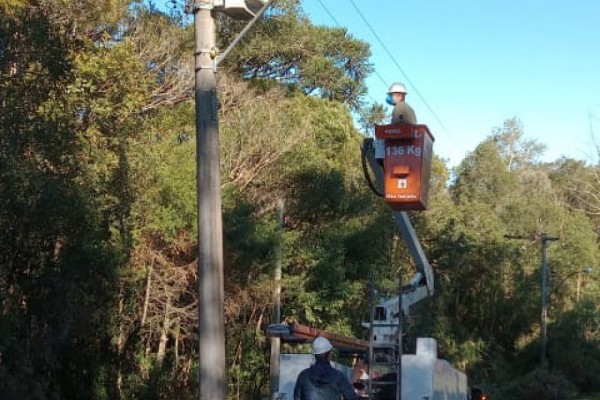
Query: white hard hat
[
  {"x": 397, "y": 88},
  {"x": 321, "y": 345}
]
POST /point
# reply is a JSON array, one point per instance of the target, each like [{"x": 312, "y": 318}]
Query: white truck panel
[
  {"x": 425, "y": 377},
  {"x": 417, "y": 377},
  {"x": 449, "y": 383}
]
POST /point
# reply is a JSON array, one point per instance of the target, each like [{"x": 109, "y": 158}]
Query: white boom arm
[
  {"x": 406, "y": 230},
  {"x": 421, "y": 285}
]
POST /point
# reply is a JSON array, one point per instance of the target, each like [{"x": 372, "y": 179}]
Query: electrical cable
[
  {"x": 368, "y": 145},
  {"x": 437, "y": 118},
  {"x": 592, "y": 118},
  {"x": 377, "y": 74}
]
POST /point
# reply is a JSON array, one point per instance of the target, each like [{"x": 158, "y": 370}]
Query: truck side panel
[{"x": 449, "y": 383}]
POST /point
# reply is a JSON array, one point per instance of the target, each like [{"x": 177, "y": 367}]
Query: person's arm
[
  {"x": 346, "y": 388},
  {"x": 413, "y": 116},
  {"x": 297, "y": 391}
]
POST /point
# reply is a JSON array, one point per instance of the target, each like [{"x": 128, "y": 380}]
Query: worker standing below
[
  {"x": 321, "y": 381},
  {"x": 403, "y": 113}
]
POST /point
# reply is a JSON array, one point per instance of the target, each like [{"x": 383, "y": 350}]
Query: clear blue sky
[{"x": 477, "y": 63}]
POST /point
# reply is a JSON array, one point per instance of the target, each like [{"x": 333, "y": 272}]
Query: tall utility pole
[
  {"x": 211, "y": 327},
  {"x": 544, "y": 238},
  {"x": 276, "y": 341},
  {"x": 400, "y": 338}
]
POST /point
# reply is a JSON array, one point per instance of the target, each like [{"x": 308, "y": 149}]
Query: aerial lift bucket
[{"x": 407, "y": 165}]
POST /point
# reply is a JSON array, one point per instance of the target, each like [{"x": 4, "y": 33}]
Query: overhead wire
[
  {"x": 385, "y": 83},
  {"x": 437, "y": 118},
  {"x": 340, "y": 26},
  {"x": 591, "y": 119}
]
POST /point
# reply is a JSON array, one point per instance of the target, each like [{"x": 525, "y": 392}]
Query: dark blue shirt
[{"x": 322, "y": 382}]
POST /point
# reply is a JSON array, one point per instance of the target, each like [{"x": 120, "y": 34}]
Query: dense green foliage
[{"x": 97, "y": 179}]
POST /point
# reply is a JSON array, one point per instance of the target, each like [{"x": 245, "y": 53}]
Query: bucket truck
[{"x": 400, "y": 158}]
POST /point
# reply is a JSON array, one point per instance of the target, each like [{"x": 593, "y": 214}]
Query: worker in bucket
[
  {"x": 403, "y": 113},
  {"x": 321, "y": 381}
]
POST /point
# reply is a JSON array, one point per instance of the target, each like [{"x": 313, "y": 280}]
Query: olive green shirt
[{"x": 403, "y": 114}]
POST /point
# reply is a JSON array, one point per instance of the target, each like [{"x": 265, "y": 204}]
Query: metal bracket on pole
[
  {"x": 192, "y": 6},
  {"x": 203, "y": 5},
  {"x": 243, "y": 32},
  {"x": 210, "y": 66}
]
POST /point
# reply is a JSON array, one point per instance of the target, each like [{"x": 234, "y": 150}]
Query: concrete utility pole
[
  {"x": 276, "y": 341},
  {"x": 211, "y": 327},
  {"x": 400, "y": 338}
]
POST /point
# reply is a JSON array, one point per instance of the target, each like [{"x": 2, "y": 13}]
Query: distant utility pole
[
  {"x": 544, "y": 239},
  {"x": 276, "y": 341}
]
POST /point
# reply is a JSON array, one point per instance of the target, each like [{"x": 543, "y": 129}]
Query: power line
[
  {"x": 591, "y": 118},
  {"x": 544, "y": 238},
  {"x": 398, "y": 66},
  {"x": 329, "y": 13},
  {"x": 340, "y": 26}
]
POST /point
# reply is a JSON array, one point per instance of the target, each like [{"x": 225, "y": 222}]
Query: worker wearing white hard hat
[
  {"x": 403, "y": 113},
  {"x": 321, "y": 345},
  {"x": 321, "y": 381}
]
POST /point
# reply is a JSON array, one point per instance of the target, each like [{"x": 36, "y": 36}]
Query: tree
[
  {"x": 483, "y": 176},
  {"x": 288, "y": 49},
  {"x": 516, "y": 151},
  {"x": 69, "y": 108},
  {"x": 166, "y": 49},
  {"x": 98, "y": 256}
]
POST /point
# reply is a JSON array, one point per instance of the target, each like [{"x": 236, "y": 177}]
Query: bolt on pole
[{"x": 211, "y": 327}]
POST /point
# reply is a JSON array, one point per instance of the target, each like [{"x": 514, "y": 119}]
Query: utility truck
[{"x": 399, "y": 157}]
